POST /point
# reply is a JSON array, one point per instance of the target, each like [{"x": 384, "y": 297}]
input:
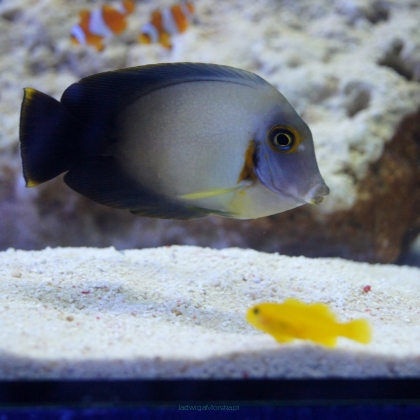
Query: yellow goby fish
[{"x": 293, "y": 319}]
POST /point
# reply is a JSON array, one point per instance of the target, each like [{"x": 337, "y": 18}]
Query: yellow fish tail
[{"x": 358, "y": 330}]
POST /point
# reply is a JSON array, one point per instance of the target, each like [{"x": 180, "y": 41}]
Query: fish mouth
[
  {"x": 314, "y": 196},
  {"x": 317, "y": 193}
]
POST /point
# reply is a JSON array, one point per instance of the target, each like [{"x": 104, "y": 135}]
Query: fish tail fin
[
  {"x": 358, "y": 330},
  {"x": 49, "y": 137}
]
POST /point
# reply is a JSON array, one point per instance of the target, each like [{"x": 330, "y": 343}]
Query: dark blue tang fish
[{"x": 179, "y": 141}]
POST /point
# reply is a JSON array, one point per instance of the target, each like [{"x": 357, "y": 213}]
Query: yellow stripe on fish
[
  {"x": 293, "y": 319},
  {"x": 99, "y": 24},
  {"x": 217, "y": 191},
  {"x": 165, "y": 23}
]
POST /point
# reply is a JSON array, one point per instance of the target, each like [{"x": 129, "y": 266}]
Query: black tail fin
[{"x": 49, "y": 138}]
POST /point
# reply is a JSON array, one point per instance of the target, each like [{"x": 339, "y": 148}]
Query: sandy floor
[{"x": 179, "y": 312}]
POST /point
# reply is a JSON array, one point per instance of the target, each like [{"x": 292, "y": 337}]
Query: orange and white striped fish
[
  {"x": 167, "y": 22},
  {"x": 99, "y": 24}
]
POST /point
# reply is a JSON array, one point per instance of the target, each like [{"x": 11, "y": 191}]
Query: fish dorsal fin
[
  {"x": 129, "y": 6},
  {"x": 156, "y": 20},
  {"x": 314, "y": 308},
  {"x": 84, "y": 14},
  {"x": 114, "y": 19},
  {"x": 97, "y": 100},
  {"x": 294, "y": 302},
  {"x": 322, "y": 309},
  {"x": 102, "y": 96}
]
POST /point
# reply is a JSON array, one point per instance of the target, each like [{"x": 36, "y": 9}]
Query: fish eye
[
  {"x": 283, "y": 139},
  {"x": 256, "y": 311}
]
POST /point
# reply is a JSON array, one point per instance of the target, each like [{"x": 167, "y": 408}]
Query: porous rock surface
[
  {"x": 351, "y": 68},
  {"x": 179, "y": 312}
]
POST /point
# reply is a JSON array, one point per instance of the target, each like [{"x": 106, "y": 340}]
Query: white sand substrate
[{"x": 178, "y": 312}]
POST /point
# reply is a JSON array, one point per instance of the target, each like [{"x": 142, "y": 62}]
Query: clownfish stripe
[
  {"x": 97, "y": 25},
  {"x": 122, "y": 8},
  {"x": 169, "y": 24},
  {"x": 125, "y": 8},
  {"x": 77, "y": 32}
]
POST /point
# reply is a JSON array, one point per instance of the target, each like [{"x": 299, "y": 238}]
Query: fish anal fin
[
  {"x": 144, "y": 39},
  {"x": 101, "y": 179},
  {"x": 207, "y": 211},
  {"x": 96, "y": 41},
  {"x": 165, "y": 40},
  {"x": 173, "y": 212},
  {"x": 329, "y": 341},
  {"x": 283, "y": 338}
]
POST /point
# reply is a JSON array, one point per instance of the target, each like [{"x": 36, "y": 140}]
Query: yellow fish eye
[
  {"x": 283, "y": 138},
  {"x": 256, "y": 311}
]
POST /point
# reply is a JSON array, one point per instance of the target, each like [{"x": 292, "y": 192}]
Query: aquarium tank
[{"x": 209, "y": 190}]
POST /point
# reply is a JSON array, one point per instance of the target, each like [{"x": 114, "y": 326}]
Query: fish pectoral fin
[
  {"x": 205, "y": 194},
  {"x": 216, "y": 191}
]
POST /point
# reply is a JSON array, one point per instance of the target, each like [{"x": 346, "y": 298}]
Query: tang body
[
  {"x": 157, "y": 151},
  {"x": 179, "y": 140}
]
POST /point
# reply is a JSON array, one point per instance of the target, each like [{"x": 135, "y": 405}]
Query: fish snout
[{"x": 317, "y": 193}]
